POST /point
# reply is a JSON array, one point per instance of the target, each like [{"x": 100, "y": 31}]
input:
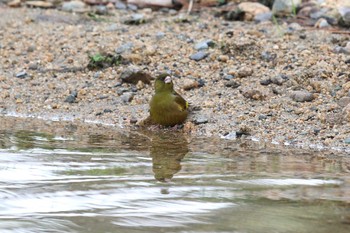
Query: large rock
[
  {"x": 252, "y": 9},
  {"x": 285, "y": 7}
]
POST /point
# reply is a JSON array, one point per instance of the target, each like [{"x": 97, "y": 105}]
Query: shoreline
[{"x": 282, "y": 88}]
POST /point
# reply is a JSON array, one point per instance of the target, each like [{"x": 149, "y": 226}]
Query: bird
[{"x": 167, "y": 107}]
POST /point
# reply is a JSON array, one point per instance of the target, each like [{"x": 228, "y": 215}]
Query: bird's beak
[{"x": 167, "y": 79}]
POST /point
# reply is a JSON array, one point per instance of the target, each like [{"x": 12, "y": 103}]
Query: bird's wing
[{"x": 181, "y": 102}]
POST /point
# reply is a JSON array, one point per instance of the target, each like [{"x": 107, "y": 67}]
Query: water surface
[{"x": 62, "y": 177}]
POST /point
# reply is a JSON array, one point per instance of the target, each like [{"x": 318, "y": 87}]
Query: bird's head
[{"x": 164, "y": 82}]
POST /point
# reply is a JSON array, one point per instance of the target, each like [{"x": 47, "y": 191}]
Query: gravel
[{"x": 258, "y": 56}]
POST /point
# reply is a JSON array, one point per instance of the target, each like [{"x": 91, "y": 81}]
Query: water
[{"x": 64, "y": 177}]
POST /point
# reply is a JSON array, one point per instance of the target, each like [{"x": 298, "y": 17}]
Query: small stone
[
  {"x": 254, "y": 94},
  {"x": 252, "y": 9},
  {"x": 268, "y": 56},
  {"x": 132, "y": 7},
  {"x": 191, "y": 84},
  {"x": 347, "y": 140},
  {"x": 97, "y": 74},
  {"x": 265, "y": 82},
  {"x": 127, "y": 97},
  {"x": 160, "y": 35},
  {"x": 302, "y": 96},
  {"x": 101, "y": 10},
  {"x": 200, "y": 120},
  {"x": 140, "y": 85},
  {"x": 112, "y": 27},
  {"x": 262, "y": 17},
  {"x": 204, "y": 44},
  {"x": 74, "y": 6},
  {"x": 125, "y": 47},
  {"x": 199, "y": 56},
  {"x": 133, "y": 120},
  {"x": 344, "y": 101},
  {"x": 322, "y": 23},
  {"x": 285, "y": 7},
  {"x": 345, "y": 15},
  {"x": 120, "y": 5},
  {"x": 223, "y": 58},
  {"x": 279, "y": 79},
  {"x": 107, "y": 110},
  {"x": 262, "y": 117},
  {"x": 134, "y": 76},
  {"x": 72, "y": 97},
  {"x": 228, "y": 77},
  {"x": 244, "y": 72},
  {"x": 232, "y": 84},
  {"x": 339, "y": 49},
  {"x": 21, "y": 74},
  {"x": 135, "y": 19}
]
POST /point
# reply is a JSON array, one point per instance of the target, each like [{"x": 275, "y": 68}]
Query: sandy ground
[{"x": 283, "y": 84}]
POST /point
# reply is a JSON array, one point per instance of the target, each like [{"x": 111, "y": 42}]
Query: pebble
[
  {"x": 160, "y": 35},
  {"x": 101, "y": 10},
  {"x": 322, "y": 23},
  {"x": 284, "y": 7},
  {"x": 262, "y": 117},
  {"x": 74, "y": 6},
  {"x": 347, "y": 140},
  {"x": 135, "y": 19},
  {"x": 268, "y": 56},
  {"x": 344, "y": 101},
  {"x": 228, "y": 77},
  {"x": 21, "y": 74},
  {"x": 134, "y": 76},
  {"x": 266, "y": 82},
  {"x": 262, "y": 17},
  {"x": 279, "y": 79},
  {"x": 302, "y": 96},
  {"x": 223, "y": 58},
  {"x": 112, "y": 27},
  {"x": 125, "y": 47},
  {"x": 127, "y": 97},
  {"x": 244, "y": 72},
  {"x": 120, "y": 5},
  {"x": 232, "y": 84},
  {"x": 198, "y": 120},
  {"x": 72, "y": 97},
  {"x": 254, "y": 94},
  {"x": 107, "y": 110},
  {"x": 199, "y": 56},
  {"x": 203, "y": 45}
]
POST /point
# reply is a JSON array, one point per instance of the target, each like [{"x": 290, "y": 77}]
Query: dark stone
[
  {"x": 267, "y": 56},
  {"x": 317, "y": 131},
  {"x": 232, "y": 84},
  {"x": 133, "y": 120},
  {"x": 228, "y": 77},
  {"x": 262, "y": 117},
  {"x": 302, "y": 36},
  {"x": 122, "y": 90},
  {"x": 132, "y": 76},
  {"x": 107, "y": 110},
  {"x": 72, "y": 97},
  {"x": 135, "y": 19},
  {"x": 199, "y": 56},
  {"x": 266, "y": 82}
]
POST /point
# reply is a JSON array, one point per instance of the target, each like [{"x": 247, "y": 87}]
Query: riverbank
[{"x": 280, "y": 83}]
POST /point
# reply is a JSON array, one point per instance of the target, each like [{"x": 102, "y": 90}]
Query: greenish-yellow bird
[{"x": 167, "y": 107}]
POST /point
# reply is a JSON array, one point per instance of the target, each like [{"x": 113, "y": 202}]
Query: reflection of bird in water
[{"x": 167, "y": 150}]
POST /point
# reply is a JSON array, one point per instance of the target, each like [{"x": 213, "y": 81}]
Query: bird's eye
[{"x": 167, "y": 79}]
